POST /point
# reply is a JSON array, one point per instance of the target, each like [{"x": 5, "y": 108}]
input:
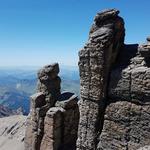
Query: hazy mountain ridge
[{"x": 5, "y": 111}]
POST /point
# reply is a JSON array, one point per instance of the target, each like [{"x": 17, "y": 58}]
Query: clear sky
[{"x": 38, "y": 32}]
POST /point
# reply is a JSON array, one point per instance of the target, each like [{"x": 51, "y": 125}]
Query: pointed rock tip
[{"x": 106, "y": 14}]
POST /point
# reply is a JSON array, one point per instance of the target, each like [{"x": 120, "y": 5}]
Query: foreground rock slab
[{"x": 12, "y": 132}]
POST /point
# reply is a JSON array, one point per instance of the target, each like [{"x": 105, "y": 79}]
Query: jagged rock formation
[
  {"x": 12, "y": 132},
  {"x": 127, "y": 118},
  {"x": 115, "y": 88},
  {"x": 115, "y": 96},
  {"x": 53, "y": 120},
  {"x": 105, "y": 39}
]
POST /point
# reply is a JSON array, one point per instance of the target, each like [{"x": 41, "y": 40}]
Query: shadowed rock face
[
  {"x": 96, "y": 58},
  {"x": 53, "y": 120},
  {"x": 127, "y": 118},
  {"x": 115, "y": 88}
]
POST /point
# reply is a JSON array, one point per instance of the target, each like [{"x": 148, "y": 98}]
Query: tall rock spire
[
  {"x": 95, "y": 60},
  {"x": 53, "y": 120}
]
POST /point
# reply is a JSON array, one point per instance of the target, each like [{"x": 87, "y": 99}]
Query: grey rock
[
  {"x": 95, "y": 62},
  {"x": 67, "y": 100},
  {"x": 53, "y": 119},
  {"x": 48, "y": 72},
  {"x": 106, "y": 14},
  {"x": 52, "y": 129},
  {"x": 147, "y": 147},
  {"x": 126, "y": 126},
  {"x": 113, "y": 112},
  {"x": 130, "y": 81},
  {"x": 115, "y": 89},
  {"x": 126, "y": 119},
  {"x": 144, "y": 50}
]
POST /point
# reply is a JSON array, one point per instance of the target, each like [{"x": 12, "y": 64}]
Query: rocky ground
[{"x": 12, "y": 131}]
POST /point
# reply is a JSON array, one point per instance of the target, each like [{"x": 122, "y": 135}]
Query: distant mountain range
[
  {"x": 18, "y": 84},
  {"x": 5, "y": 111}
]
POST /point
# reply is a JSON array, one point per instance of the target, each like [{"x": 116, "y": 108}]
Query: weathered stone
[
  {"x": 51, "y": 126},
  {"x": 126, "y": 126},
  {"x": 114, "y": 76},
  {"x": 67, "y": 100},
  {"x": 115, "y": 96},
  {"x": 126, "y": 117},
  {"x": 144, "y": 50},
  {"x": 119, "y": 86},
  {"x": 49, "y": 82},
  {"x": 33, "y": 137},
  {"x": 105, "y": 39},
  {"x": 52, "y": 129},
  {"x": 140, "y": 84},
  {"x": 38, "y": 100},
  {"x": 48, "y": 91},
  {"x": 130, "y": 81},
  {"x": 105, "y": 15},
  {"x": 147, "y": 147},
  {"x": 48, "y": 72}
]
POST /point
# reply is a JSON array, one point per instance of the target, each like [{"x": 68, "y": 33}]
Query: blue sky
[{"x": 38, "y": 32}]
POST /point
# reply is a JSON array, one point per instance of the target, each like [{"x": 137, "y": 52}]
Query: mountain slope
[{"x": 12, "y": 132}]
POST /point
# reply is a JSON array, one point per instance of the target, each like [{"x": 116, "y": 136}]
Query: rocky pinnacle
[
  {"x": 95, "y": 59},
  {"x": 53, "y": 120},
  {"x": 115, "y": 96}
]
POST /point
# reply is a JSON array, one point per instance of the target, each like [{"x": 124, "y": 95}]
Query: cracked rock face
[
  {"x": 115, "y": 96},
  {"x": 127, "y": 119},
  {"x": 126, "y": 126},
  {"x": 115, "y": 88},
  {"x": 53, "y": 120},
  {"x": 105, "y": 39}
]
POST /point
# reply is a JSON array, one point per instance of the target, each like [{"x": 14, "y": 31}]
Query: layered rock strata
[
  {"x": 115, "y": 88},
  {"x": 115, "y": 96},
  {"x": 96, "y": 58},
  {"x": 127, "y": 119},
  {"x": 53, "y": 120}
]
